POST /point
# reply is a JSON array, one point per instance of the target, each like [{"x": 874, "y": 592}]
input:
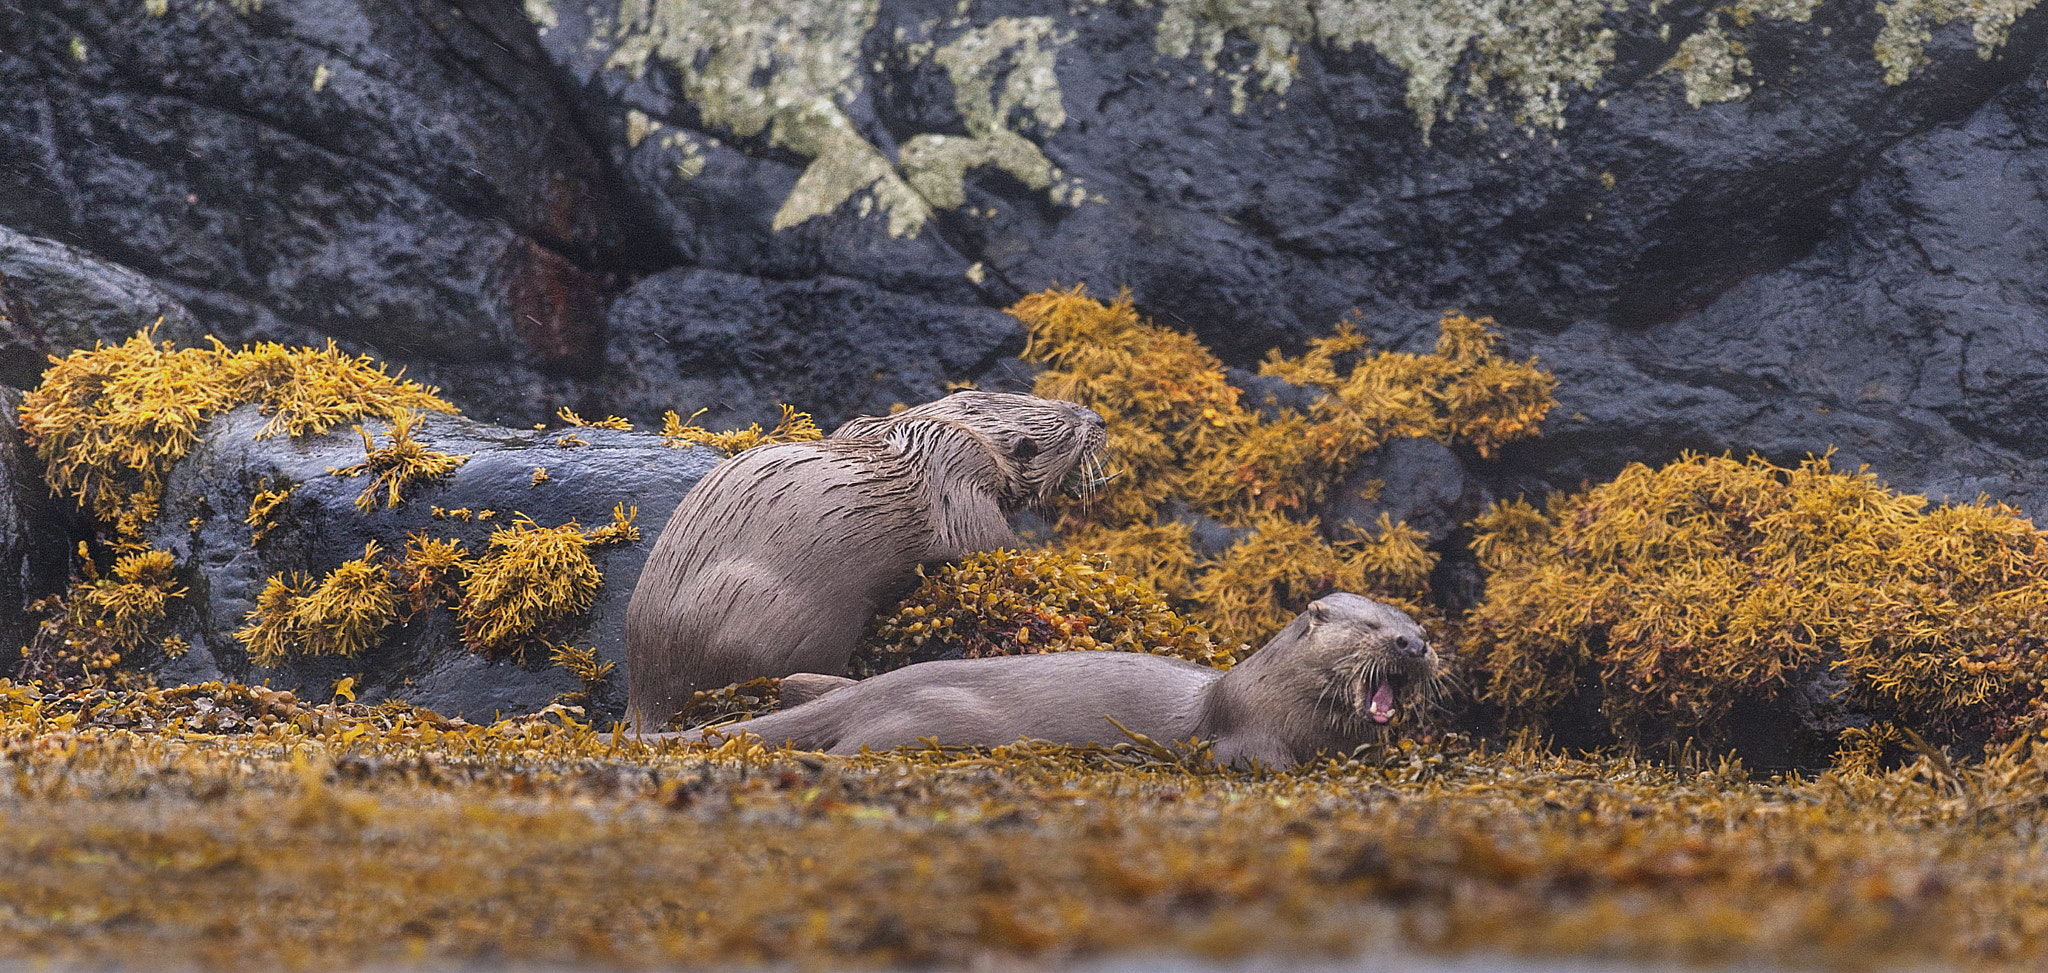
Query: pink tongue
[{"x": 1381, "y": 708}]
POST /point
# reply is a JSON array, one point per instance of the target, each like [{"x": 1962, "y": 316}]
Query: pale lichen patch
[
  {"x": 1799, "y": 11},
  {"x": 789, "y": 68},
  {"x": 783, "y": 67},
  {"x": 999, "y": 71},
  {"x": 972, "y": 60},
  {"x": 1712, "y": 65},
  {"x": 1909, "y": 26},
  {"x": 542, "y": 13},
  {"x": 638, "y": 127},
  {"x": 692, "y": 163},
  {"x": 1709, "y": 66},
  {"x": 1537, "y": 49}
]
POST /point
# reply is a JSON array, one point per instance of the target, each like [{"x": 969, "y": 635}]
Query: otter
[
  {"x": 1330, "y": 681},
  {"x": 772, "y": 564}
]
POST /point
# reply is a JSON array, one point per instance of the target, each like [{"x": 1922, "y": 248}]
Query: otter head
[
  {"x": 1039, "y": 445},
  {"x": 1373, "y": 658}
]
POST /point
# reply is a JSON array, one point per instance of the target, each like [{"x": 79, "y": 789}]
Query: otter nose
[
  {"x": 1092, "y": 417},
  {"x": 1409, "y": 645}
]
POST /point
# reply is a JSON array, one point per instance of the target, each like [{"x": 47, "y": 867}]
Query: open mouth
[{"x": 1380, "y": 706}]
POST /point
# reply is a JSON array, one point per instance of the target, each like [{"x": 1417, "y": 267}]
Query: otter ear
[
  {"x": 1318, "y": 613},
  {"x": 1024, "y": 448}
]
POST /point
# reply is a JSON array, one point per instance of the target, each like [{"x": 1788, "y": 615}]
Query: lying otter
[
  {"x": 773, "y": 562},
  {"x": 1325, "y": 684}
]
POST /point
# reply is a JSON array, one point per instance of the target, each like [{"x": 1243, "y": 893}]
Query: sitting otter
[
  {"x": 773, "y": 562},
  {"x": 1325, "y": 684}
]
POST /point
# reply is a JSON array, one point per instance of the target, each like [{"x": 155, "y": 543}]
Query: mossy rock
[{"x": 316, "y": 532}]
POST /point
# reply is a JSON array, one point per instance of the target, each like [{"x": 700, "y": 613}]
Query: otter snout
[{"x": 1410, "y": 647}]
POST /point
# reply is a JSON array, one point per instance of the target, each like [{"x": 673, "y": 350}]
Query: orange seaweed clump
[
  {"x": 609, "y": 422},
  {"x": 263, "y": 509},
  {"x": 1186, "y": 443},
  {"x": 1462, "y": 393},
  {"x": 139, "y": 823},
  {"x": 590, "y": 672},
  {"x": 101, "y": 620},
  {"x": 739, "y": 701},
  {"x": 1709, "y": 580},
  {"x": 1161, "y": 392},
  {"x": 109, "y": 422},
  {"x": 530, "y": 576},
  {"x": 429, "y": 571},
  {"x": 401, "y": 462},
  {"x": 344, "y": 614},
  {"x": 1180, "y": 430},
  {"x": 125, "y": 607},
  {"x": 1022, "y": 602},
  {"x": 1262, "y": 581},
  {"x": 794, "y": 427}
]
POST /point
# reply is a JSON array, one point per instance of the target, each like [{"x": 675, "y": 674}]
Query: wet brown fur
[
  {"x": 774, "y": 562},
  {"x": 1303, "y": 693}
]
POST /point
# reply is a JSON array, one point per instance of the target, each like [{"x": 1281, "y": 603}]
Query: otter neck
[
  {"x": 1271, "y": 691},
  {"x": 962, "y": 484}
]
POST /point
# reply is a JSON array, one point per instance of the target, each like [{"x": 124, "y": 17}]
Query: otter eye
[{"x": 1024, "y": 448}]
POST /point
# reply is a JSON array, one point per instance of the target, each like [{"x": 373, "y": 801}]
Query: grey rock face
[
  {"x": 1417, "y": 481},
  {"x": 1913, "y": 338},
  {"x": 1679, "y": 265},
  {"x": 54, "y": 298},
  {"x": 1711, "y": 226},
  {"x": 319, "y": 527},
  {"x": 737, "y": 346},
  {"x": 396, "y": 175},
  {"x": 1775, "y": 227},
  {"x": 35, "y": 540}
]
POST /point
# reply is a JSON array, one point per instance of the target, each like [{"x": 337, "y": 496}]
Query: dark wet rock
[
  {"x": 1210, "y": 537},
  {"x": 1271, "y": 396},
  {"x": 509, "y": 202},
  {"x": 424, "y": 662},
  {"x": 1646, "y": 249},
  {"x": 1799, "y": 727},
  {"x": 397, "y": 175},
  {"x": 54, "y": 298},
  {"x": 1419, "y": 481},
  {"x": 738, "y": 346},
  {"x": 499, "y": 198},
  {"x": 1910, "y": 339},
  {"x": 35, "y": 539}
]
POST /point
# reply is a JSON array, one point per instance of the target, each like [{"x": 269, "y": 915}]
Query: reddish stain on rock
[{"x": 557, "y": 311}]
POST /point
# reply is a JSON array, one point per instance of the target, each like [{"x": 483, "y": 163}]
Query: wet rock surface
[
  {"x": 1911, "y": 339},
  {"x": 1824, "y": 244},
  {"x": 319, "y": 527},
  {"x": 54, "y": 298},
  {"x": 395, "y": 175},
  {"x": 1748, "y": 227},
  {"x": 736, "y": 346},
  {"x": 35, "y": 537}
]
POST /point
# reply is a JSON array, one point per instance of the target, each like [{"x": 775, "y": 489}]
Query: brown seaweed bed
[{"x": 239, "y": 828}]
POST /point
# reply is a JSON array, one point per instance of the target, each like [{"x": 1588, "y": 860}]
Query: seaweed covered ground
[
  {"x": 238, "y": 828},
  {"x": 227, "y": 826}
]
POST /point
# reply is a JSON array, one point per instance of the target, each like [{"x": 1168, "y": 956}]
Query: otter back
[{"x": 775, "y": 561}]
